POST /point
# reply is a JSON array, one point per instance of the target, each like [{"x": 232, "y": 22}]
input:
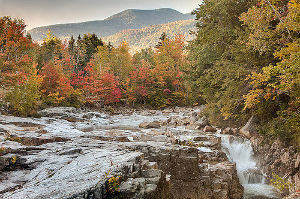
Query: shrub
[{"x": 24, "y": 98}]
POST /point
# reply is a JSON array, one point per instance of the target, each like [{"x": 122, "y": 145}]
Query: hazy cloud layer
[{"x": 45, "y": 12}]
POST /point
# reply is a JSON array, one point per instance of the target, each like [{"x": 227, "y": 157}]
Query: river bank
[{"x": 70, "y": 153}]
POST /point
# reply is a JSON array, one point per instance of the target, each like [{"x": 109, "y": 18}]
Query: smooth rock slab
[{"x": 82, "y": 174}]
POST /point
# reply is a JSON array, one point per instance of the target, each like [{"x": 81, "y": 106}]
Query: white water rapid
[{"x": 239, "y": 150}]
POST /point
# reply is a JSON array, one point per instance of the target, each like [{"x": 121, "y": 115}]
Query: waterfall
[{"x": 239, "y": 150}]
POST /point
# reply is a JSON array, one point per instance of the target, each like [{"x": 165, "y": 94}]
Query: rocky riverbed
[{"x": 69, "y": 153}]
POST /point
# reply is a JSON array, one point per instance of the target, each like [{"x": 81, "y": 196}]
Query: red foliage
[
  {"x": 100, "y": 88},
  {"x": 15, "y": 59},
  {"x": 139, "y": 83},
  {"x": 55, "y": 81},
  {"x": 65, "y": 77}
]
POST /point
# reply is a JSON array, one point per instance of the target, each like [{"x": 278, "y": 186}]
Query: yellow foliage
[
  {"x": 252, "y": 98},
  {"x": 116, "y": 60},
  {"x": 279, "y": 183},
  {"x": 24, "y": 97},
  {"x": 14, "y": 159},
  {"x": 113, "y": 182},
  {"x": 50, "y": 37}
]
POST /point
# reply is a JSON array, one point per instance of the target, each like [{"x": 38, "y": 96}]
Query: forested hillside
[
  {"x": 139, "y": 39},
  {"x": 245, "y": 62},
  {"x": 128, "y": 19}
]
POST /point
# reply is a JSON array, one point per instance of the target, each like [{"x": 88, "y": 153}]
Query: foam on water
[{"x": 239, "y": 150}]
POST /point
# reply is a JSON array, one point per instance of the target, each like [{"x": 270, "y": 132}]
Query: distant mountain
[
  {"x": 149, "y": 36},
  {"x": 128, "y": 19}
]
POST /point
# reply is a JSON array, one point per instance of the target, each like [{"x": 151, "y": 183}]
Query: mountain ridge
[
  {"x": 127, "y": 19},
  {"x": 149, "y": 36}
]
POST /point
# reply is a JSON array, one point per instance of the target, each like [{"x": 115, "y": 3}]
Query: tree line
[{"x": 86, "y": 71}]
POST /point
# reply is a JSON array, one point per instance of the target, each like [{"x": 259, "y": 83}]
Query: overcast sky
[{"x": 46, "y": 12}]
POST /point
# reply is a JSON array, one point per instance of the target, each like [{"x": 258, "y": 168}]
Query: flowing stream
[{"x": 239, "y": 150}]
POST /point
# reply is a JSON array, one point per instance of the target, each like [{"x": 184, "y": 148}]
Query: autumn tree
[
  {"x": 144, "y": 55},
  {"x": 220, "y": 60},
  {"x": 275, "y": 89},
  {"x": 162, "y": 39},
  {"x": 117, "y": 61},
  {"x": 19, "y": 80},
  {"x": 50, "y": 49},
  {"x": 169, "y": 60},
  {"x": 140, "y": 83},
  {"x": 100, "y": 88},
  {"x": 86, "y": 48}
]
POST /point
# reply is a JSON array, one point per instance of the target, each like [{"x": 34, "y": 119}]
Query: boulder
[
  {"x": 91, "y": 115},
  {"x": 160, "y": 138},
  {"x": 149, "y": 125},
  {"x": 235, "y": 131},
  {"x": 228, "y": 131},
  {"x": 200, "y": 139},
  {"x": 249, "y": 129},
  {"x": 202, "y": 122},
  {"x": 293, "y": 196},
  {"x": 254, "y": 176},
  {"x": 209, "y": 129}
]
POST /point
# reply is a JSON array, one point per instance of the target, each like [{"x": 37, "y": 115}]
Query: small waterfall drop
[{"x": 239, "y": 150}]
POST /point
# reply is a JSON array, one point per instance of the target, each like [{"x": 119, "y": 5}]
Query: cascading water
[{"x": 239, "y": 150}]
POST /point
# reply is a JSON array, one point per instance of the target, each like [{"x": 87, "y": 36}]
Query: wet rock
[
  {"x": 151, "y": 173},
  {"x": 209, "y": 129},
  {"x": 150, "y": 188},
  {"x": 254, "y": 176},
  {"x": 235, "y": 131},
  {"x": 160, "y": 138},
  {"x": 106, "y": 138},
  {"x": 26, "y": 124},
  {"x": 228, "y": 131},
  {"x": 185, "y": 121},
  {"x": 122, "y": 139},
  {"x": 201, "y": 138},
  {"x": 194, "y": 117},
  {"x": 42, "y": 131},
  {"x": 148, "y": 125},
  {"x": 145, "y": 137},
  {"x": 202, "y": 122},
  {"x": 12, "y": 162}
]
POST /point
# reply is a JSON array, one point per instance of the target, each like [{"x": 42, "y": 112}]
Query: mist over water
[{"x": 239, "y": 150}]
